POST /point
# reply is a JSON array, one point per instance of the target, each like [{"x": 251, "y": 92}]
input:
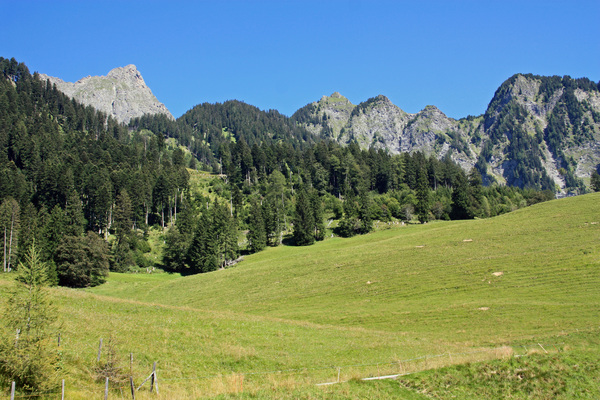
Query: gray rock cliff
[
  {"x": 536, "y": 130},
  {"x": 122, "y": 93}
]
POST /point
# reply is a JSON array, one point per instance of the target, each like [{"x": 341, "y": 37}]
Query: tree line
[{"x": 86, "y": 189}]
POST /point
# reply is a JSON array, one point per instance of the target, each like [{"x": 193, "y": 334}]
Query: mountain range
[{"x": 537, "y": 131}]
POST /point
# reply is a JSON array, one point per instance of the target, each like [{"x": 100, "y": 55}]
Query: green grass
[
  {"x": 287, "y": 318},
  {"x": 567, "y": 371}
]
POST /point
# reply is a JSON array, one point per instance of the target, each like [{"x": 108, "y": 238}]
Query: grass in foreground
[{"x": 288, "y": 318}]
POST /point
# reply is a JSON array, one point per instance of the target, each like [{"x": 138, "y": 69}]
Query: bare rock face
[
  {"x": 122, "y": 94},
  {"x": 379, "y": 123},
  {"x": 536, "y": 130}
]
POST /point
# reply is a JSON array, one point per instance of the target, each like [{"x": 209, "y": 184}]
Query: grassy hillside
[{"x": 399, "y": 300}]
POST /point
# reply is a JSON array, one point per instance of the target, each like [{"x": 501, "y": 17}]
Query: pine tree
[
  {"x": 122, "y": 215},
  {"x": 595, "y": 181},
  {"x": 317, "y": 207},
  {"x": 460, "y": 198},
  {"x": 202, "y": 253},
  {"x": 225, "y": 230},
  {"x": 350, "y": 224},
  {"x": 476, "y": 194},
  {"x": 422, "y": 209},
  {"x": 304, "y": 221},
  {"x": 9, "y": 231},
  {"x": 272, "y": 220},
  {"x": 30, "y": 357},
  {"x": 364, "y": 213},
  {"x": 74, "y": 220},
  {"x": 257, "y": 237},
  {"x": 53, "y": 231},
  {"x": 176, "y": 248}
]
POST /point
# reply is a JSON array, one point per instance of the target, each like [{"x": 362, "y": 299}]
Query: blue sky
[{"x": 284, "y": 54}]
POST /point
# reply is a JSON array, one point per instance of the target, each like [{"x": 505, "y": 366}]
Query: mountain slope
[
  {"x": 122, "y": 93},
  {"x": 391, "y": 295},
  {"x": 537, "y": 131},
  {"x": 406, "y": 278}
]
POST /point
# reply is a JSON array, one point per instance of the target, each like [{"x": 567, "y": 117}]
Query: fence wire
[{"x": 527, "y": 348}]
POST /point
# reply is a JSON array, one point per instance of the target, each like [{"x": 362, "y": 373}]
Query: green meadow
[{"x": 442, "y": 303}]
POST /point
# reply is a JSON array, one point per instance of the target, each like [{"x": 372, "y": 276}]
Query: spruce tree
[
  {"x": 257, "y": 237},
  {"x": 364, "y": 213},
  {"x": 225, "y": 231},
  {"x": 74, "y": 220},
  {"x": 304, "y": 220},
  {"x": 595, "y": 181},
  {"x": 202, "y": 253},
  {"x": 122, "y": 215},
  {"x": 176, "y": 248},
  {"x": 317, "y": 208},
  {"x": 422, "y": 209},
  {"x": 460, "y": 197},
  {"x": 30, "y": 359},
  {"x": 10, "y": 215}
]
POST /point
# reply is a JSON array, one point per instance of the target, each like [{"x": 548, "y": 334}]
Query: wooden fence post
[
  {"x": 132, "y": 387},
  {"x": 131, "y": 376},
  {"x": 99, "y": 350},
  {"x": 154, "y": 380},
  {"x": 12, "y": 391},
  {"x": 106, "y": 390}
]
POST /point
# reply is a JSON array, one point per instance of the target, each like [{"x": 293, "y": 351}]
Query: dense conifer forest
[{"x": 88, "y": 191}]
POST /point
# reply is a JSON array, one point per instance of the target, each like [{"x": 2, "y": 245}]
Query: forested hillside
[
  {"x": 66, "y": 169},
  {"x": 538, "y": 132},
  {"x": 95, "y": 195}
]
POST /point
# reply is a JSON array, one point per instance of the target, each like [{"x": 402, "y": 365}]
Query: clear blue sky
[{"x": 284, "y": 54}]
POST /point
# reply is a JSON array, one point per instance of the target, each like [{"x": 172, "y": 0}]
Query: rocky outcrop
[
  {"x": 122, "y": 93},
  {"x": 378, "y": 123},
  {"x": 514, "y": 142}
]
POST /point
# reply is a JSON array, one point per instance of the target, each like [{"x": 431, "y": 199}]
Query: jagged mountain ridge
[
  {"x": 122, "y": 93},
  {"x": 537, "y": 131}
]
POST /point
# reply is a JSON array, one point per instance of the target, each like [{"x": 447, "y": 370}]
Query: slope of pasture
[
  {"x": 530, "y": 273},
  {"x": 369, "y": 305}
]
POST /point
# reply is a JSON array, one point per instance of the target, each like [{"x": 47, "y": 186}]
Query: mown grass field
[{"x": 400, "y": 300}]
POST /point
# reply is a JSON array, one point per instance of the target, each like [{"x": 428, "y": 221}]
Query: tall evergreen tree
[
  {"x": 74, "y": 219},
  {"x": 122, "y": 215},
  {"x": 10, "y": 217},
  {"x": 30, "y": 359},
  {"x": 460, "y": 198},
  {"x": 304, "y": 220},
  {"x": 225, "y": 231},
  {"x": 176, "y": 249},
  {"x": 317, "y": 208},
  {"x": 364, "y": 214},
  {"x": 202, "y": 253},
  {"x": 423, "y": 201},
  {"x": 257, "y": 236},
  {"x": 595, "y": 181}
]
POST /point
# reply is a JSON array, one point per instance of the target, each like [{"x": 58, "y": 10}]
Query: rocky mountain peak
[{"x": 122, "y": 93}]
